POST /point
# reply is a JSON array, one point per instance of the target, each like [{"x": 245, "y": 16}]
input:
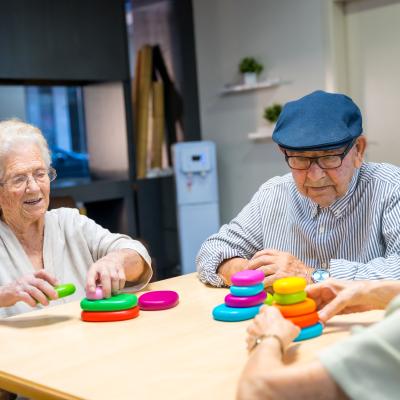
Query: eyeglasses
[
  {"x": 324, "y": 162},
  {"x": 18, "y": 182}
]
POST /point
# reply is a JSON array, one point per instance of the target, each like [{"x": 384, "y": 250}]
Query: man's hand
[
  {"x": 341, "y": 297},
  {"x": 277, "y": 264},
  {"x": 230, "y": 266},
  {"x": 31, "y": 289}
]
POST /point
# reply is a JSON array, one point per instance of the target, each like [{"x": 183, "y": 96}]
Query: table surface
[{"x": 180, "y": 353}]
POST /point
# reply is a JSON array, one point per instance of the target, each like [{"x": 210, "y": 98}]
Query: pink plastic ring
[
  {"x": 96, "y": 295},
  {"x": 248, "y": 277}
]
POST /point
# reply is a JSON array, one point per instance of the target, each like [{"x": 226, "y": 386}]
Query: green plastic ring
[
  {"x": 65, "y": 289},
  {"x": 121, "y": 301},
  {"x": 290, "y": 298},
  {"x": 269, "y": 299}
]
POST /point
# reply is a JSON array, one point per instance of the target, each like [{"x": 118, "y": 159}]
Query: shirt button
[
  {"x": 324, "y": 265},
  {"x": 321, "y": 230}
]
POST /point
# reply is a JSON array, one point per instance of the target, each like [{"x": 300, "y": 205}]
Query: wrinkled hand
[
  {"x": 31, "y": 289},
  {"x": 340, "y": 297},
  {"x": 278, "y": 264},
  {"x": 271, "y": 322},
  {"x": 108, "y": 272}
]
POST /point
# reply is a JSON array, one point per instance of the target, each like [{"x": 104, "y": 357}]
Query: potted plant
[
  {"x": 271, "y": 113},
  {"x": 250, "y": 68}
]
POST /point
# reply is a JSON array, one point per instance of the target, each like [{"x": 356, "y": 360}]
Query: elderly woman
[
  {"x": 364, "y": 366},
  {"x": 43, "y": 248}
]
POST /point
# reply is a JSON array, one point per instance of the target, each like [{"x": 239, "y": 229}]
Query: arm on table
[
  {"x": 265, "y": 376},
  {"x": 342, "y": 297},
  {"x": 229, "y": 250}
]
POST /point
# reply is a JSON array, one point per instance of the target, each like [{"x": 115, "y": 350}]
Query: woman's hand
[
  {"x": 31, "y": 289},
  {"x": 271, "y": 322},
  {"x": 108, "y": 272},
  {"x": 342, "y": 297}
]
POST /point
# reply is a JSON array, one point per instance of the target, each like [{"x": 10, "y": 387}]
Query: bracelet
[{"x": 259, "y": 339}]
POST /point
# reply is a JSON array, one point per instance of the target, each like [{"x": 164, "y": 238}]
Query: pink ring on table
[
  {"x": 96, "y": 295},
  {"x": 247, "y": 277},
  {"x": 245, "y": 301},
  {"x": 158, "y": 300}
]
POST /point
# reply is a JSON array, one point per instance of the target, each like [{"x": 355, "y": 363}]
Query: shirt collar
[{"x": 338, "y": 207}]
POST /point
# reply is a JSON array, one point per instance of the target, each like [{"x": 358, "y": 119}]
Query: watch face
[{"x": 319, "y": 275}]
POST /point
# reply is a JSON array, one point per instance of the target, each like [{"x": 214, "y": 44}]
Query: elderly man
[{"x": 333, "y": 215}]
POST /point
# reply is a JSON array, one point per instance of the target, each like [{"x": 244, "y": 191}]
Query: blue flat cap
[{"x": 318, "y": 121}]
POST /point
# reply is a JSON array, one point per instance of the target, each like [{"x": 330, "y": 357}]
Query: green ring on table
[
  {"x": 290, "y": 298},
  {"x": 121, "y": 301}
]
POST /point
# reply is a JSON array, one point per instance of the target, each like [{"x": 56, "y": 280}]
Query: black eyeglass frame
[{"x": 311, "y": 159}]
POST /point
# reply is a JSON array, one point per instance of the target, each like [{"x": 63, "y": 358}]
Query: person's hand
[
  {"x": 278, "y": 264},
  {"x": 340, "y": 297},
  {"x": 108, "y": 272},
  {"x": 271, "y": 322},
  {"x": 32, "y": 289}
]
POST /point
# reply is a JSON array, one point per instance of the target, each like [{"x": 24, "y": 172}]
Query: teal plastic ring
[
  {"x": 233, "y": 314},
  {"x": 310, "y": 332},
  {"x": 246, "y": 290}
]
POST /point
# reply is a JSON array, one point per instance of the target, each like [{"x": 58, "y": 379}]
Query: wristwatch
[{"x": 319, "y": 275}]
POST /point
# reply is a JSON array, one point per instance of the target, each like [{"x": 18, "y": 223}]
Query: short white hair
[{"x": 14, "y": 132}]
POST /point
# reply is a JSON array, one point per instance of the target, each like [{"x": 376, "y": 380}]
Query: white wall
[
  {"x": 291, "y": 38},
  {"x": 373, "y": 55}
]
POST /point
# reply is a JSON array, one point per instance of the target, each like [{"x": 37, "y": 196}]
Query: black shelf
[{"x": 93, "y": 190}]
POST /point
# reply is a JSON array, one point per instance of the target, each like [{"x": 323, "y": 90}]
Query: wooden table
[{"x": 181, "y": 353}]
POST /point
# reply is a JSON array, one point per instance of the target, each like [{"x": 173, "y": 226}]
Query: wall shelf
[
  {"x": 230, "y": 89},
  {"x": 263, "y": 133}
]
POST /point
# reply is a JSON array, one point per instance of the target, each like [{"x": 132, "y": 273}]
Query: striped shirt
[{"x": 356, "y": 237}]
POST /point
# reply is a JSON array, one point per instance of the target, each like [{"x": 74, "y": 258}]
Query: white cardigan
[{"x": 72, "y": 243}]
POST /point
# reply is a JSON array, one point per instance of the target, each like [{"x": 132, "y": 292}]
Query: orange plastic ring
[
  {"x": 305, "y": 320},
  {"x": 293, "y": 310},
  {"x": 109, "y": 316}
]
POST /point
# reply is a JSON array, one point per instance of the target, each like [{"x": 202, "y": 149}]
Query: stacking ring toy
[
  {"x": 310, "y": 332},
  {"x": 290, "y": 284},
  {"x": 230, "y": 314},
  {"x": 305, "y": 307},
  {"x": 108, "y": 316},
  {"x": 290, "y": 298},
  {"x": 119, "y": 302},
  {"x": 247, "y": 290},
  {"x": 269, "y": 300},
  {"x": 247, "y": 277},
  {"x": 96, "y": 295},
  {"x": 65, "y": 290},
  {"x": 305, "y": 320},
  {"x": 245, "y": 301},
  {"x": 158, "y": 300}
]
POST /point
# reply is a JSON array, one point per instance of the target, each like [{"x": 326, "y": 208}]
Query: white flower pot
[{"x": 250, "y": 78}]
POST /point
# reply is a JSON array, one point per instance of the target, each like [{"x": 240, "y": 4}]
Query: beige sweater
[{"x": 72, "y": 243}]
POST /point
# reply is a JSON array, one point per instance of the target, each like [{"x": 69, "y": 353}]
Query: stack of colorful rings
[
  {"x": 291, "y": 299},
  {"x": 95, "y": 308},
  {"x": 245, "y": 299}
]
